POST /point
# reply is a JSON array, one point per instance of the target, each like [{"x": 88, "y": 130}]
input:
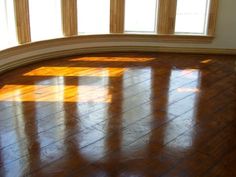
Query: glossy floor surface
[{"x": 120, "y": 115}]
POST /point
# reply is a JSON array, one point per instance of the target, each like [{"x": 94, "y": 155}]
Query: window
[
  {"x": 8, "y": 35},
  {"x": 195, "y": 20},
  {"x": 93, "y": 16},
  {"x": 140, "y": 15},
  {"x": 191, "y": 16},
  {"x": 45, "y": 19}
]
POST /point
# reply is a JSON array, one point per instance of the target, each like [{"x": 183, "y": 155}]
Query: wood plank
[{"x": 164, "y": 117}]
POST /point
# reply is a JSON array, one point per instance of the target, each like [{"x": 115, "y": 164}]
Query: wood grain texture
[
  {"x": 117, "y": 12},
  {"x": 213, "y": 11},
  {"x": 22, "y": 21},
  {"x": 166, "y": 16},
  {"x": 69, "y": 17},
  {"x": 120, "y": 114}
]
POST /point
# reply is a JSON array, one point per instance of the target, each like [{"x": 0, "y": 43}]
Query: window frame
[{"x": 165, "y": 22}]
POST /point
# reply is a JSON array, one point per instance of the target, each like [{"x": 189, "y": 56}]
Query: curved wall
[
  {"x": 224, "y": 42},
  {"x": 225, "y": 37}
]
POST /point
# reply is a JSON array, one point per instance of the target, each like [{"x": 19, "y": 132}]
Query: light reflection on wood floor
[{"x": 123, "y": 114}]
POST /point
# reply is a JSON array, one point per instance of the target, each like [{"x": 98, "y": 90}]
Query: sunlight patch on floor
[
  {"x": 76, "y": 71},
  {"x": 59, "y": 93}
]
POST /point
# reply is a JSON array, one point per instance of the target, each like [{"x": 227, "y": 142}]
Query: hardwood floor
[{"x": 120, "y": 115}]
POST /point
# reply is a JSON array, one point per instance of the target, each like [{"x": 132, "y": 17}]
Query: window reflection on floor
[
  {"x": 141, "y": 80},
  {"x": 187, "y": 108}
]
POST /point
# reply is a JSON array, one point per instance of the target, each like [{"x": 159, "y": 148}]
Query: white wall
[{"x": 226, "y": 25}]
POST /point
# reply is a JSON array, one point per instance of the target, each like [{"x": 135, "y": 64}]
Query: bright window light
[
  {"x": 8, "y": 36},
  {"x": 45, "y": 19},
  {"x": 191, "y": 16},
  {"x": 140, "y": 15},
  {"x": 93, "y": 16}
]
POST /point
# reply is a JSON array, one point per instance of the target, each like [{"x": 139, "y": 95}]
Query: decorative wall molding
[
  {"x": 38, "y": 51},
  {"x": 106, "y": 38}
]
